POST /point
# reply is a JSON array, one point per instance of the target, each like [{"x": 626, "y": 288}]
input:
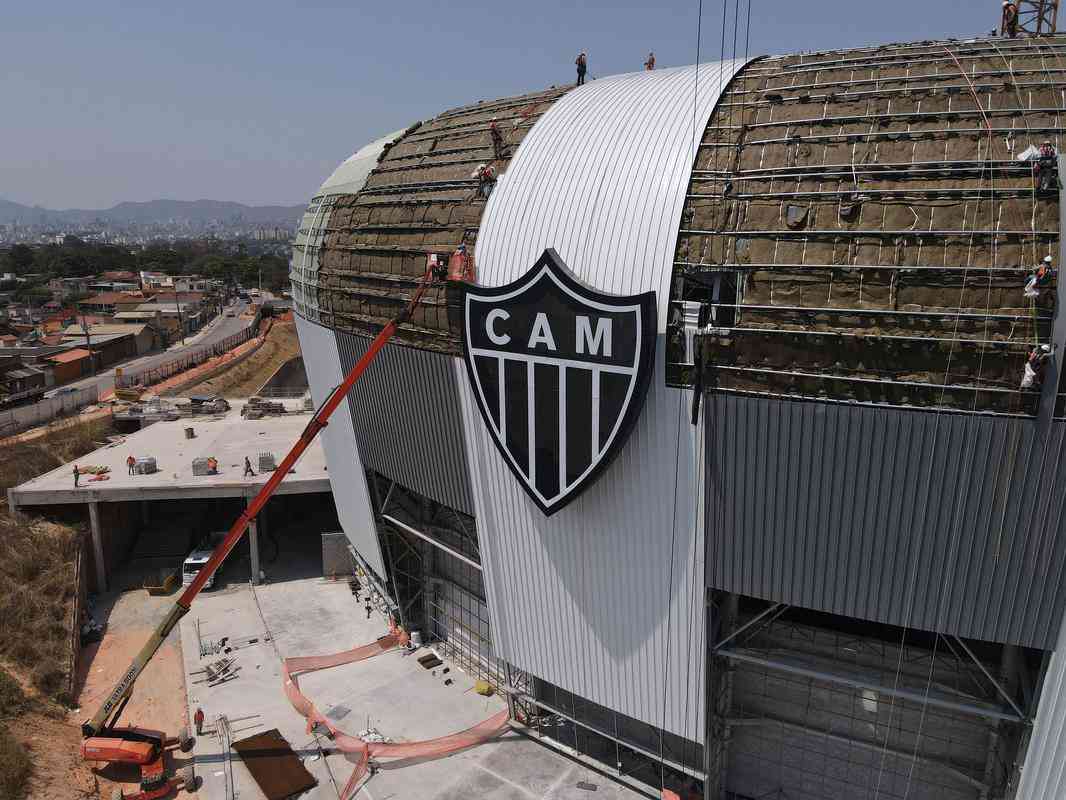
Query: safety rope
[{"x": 912, "y": 579}]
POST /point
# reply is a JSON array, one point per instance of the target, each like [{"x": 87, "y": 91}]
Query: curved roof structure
[
  {"x": 602, "y": 179},
  {"x": 827, "y": 235}
]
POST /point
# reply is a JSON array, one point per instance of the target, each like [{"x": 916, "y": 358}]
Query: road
[{"x": 214, "y": 331}]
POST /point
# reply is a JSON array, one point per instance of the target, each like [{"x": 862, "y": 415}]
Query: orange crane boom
[{"x": 108, "y": 713}]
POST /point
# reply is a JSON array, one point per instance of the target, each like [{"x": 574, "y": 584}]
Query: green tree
[{"x": 21, "y": 259}]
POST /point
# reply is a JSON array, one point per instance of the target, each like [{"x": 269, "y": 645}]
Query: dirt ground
[
  {"x": 247, "y": 377},
  {"x": 158, "y": 700},
  {"x": 51, "y": 742}
]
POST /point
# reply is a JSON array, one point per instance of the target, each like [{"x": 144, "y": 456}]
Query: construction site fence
[
  {"x": 188, "y": 360},
  {"x": 14, "y": 420}
]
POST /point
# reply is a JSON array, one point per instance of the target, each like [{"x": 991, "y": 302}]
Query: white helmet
[{"x": 1048, "y": 260}]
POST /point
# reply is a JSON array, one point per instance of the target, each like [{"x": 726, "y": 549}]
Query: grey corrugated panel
[
  {"x": 948, "y": 522},
  {"x": 1044, "y": 771},
  {"x": 406, "y": 415},
  {"x": 584, "y": 599},
  {"x": 346, "y": 474}
]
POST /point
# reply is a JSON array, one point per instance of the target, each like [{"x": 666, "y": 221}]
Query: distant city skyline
[{"x": 257, "y": 103}]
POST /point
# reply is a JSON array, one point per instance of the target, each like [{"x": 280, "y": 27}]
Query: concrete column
[
  {"x": 98, "y": 547},
  {"x": 253, "y": 546}
]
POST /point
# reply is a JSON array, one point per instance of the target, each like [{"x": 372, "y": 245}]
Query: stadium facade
[{"x": 721, "y": 467}]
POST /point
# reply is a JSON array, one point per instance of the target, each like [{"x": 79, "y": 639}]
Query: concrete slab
[
  {"x": 391, "y": 692},
  {"x": 229, "y": 438}
]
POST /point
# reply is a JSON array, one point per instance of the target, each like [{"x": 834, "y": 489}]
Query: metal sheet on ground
[{"x": 275, "y": 767}]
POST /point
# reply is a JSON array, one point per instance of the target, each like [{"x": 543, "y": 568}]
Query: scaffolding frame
[
  {"x": 434, "y": 561},
  {"x": 1038, "y": 17},
  {"x": 804, "y": 727}
]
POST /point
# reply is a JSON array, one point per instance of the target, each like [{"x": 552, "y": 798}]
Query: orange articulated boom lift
[{"x": 106, "y": 742}]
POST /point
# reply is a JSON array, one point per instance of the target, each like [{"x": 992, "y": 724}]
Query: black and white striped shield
[{"x": 560, "y": 372}]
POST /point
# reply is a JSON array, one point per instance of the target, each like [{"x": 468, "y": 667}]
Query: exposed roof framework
[{"x": 859, "y": 227}]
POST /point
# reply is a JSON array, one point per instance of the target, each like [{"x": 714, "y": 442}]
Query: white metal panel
[
  {"x": 1044, "y": 769},
  {"x": 605, "y": 598},
  {"x": 352, "y": 173},
  {"x": 348, "y": 178},
  {"x": 346, "y": 475}
]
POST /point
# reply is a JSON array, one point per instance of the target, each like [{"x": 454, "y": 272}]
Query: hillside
[{"x": 154, "y": 211}]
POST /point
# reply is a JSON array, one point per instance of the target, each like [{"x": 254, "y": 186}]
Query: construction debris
[
  {"x": 205, "y": 466},
  {"x": 217, "y": 672},
  {"x": 145, "y": 466},
  {"x": 257, "y": 408}
]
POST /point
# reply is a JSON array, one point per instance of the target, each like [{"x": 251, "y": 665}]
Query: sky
[{"x": 106, "y": 101}]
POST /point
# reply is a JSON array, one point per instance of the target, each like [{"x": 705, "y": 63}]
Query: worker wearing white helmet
[{"x": 1009, "y": 24}]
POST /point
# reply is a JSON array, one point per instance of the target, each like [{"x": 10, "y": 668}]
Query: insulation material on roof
[
  {"x": 418, "y": 201},
  {"x": 869, "y": 228}
]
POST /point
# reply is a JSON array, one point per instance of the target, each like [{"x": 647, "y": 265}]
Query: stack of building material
[
  {"x": 257, "y": 408},
  {"x": 204, "y": 466},
  {"x": 267, "y": 462},
  {"x": 144, "y": 466}
]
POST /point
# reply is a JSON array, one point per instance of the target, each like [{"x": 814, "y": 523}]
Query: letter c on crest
[{"x": 490, "y": 326}]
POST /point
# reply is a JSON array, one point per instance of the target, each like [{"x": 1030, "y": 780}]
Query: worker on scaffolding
[
  {"x": 582, "y": 63},
  {"x": 649, "y": 65},
  {"x": 461, "y": 265},
  {"x": 497, "y": 140},
  {"x": 1040, "y": 279},
  {"x": 485, "y": 175},
  {"x": 1046, "y": 168},
  {"x": 1033, "y": 374},
  {"x": 1009, "y": 24}
]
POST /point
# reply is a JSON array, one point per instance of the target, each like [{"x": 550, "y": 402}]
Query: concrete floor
[
  {"x": 229, "y": 438},
  {"x": 312, "y": 616}
]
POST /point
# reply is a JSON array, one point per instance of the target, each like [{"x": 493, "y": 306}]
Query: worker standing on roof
[
  {"x": 1046, "y": 168},
  {"x": 497, "y": 139},
  {"x": 1009, "y": 24},
  {"x": 1040, "y": 279},
  {"x": 248, "y": 468},
  {"x": 198, "y": 720},
  {"x": 1033, "y": 375},
  {"x": 130, "y": 462},
  {"x": 582, "y": 67},
  {"x": 649, "y": 65},
  {"x": 76, "y": 476}
]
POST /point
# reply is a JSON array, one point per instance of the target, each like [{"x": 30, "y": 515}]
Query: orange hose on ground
[{"x": 357, "y": 750}]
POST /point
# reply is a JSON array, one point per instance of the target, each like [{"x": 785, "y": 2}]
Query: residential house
[
  {"x": 71, "y": 365},
  {"x": 142, "y": 336},
  {"x": 20, "y": 382},
  {"x": 63, "y": 288},
  {"x": 105, "y": 303}
]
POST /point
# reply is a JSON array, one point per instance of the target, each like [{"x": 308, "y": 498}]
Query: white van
[{"x": 200, "y": 556}]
